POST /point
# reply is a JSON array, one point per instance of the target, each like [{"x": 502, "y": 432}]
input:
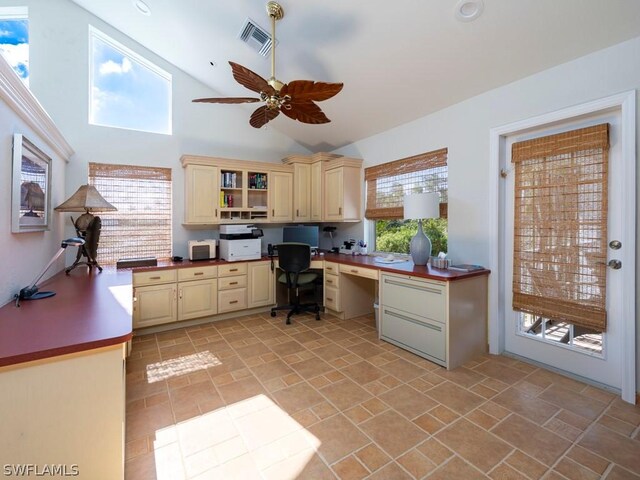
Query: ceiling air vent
[{"x": 256, "y": 37}]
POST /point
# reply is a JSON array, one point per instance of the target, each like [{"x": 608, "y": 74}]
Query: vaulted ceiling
[{"x": 398, "y": 60}]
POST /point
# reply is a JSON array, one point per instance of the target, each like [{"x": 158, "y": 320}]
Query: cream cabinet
[
  {"x": 281, "y": 197},
  {"x": 154, "y": 305},
  {"x": 445, "y": 322},
  {"x": 202, "y": 194},
  {"x": 342, "y": 191},
  {"x": 261, "y": 290},
  {"x": 316, "y": 192},
  {"x": 301, "y": 192},
  {"x": 197, "y": 298},
  {"x": 232, "y": 287}
]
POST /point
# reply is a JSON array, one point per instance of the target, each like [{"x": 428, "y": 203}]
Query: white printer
[{"x": 240, "y": 242}]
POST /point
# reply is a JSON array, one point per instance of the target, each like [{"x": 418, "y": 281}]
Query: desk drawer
[
  {"x": 331, "y": 280},
  {"x": 227, "y": 283},
  {"x": 232, "y": 300},
  {"x": 154, "y": 277},
  {"x": 197, "y": 273},
  {"x": 359, "y": 271},
  {"x": 417, "y": 333},
  {"x": 418, "y": 297},
  {"x": 231, "y": 270},
  {"x": 330, "y": 267},
  {"x": 332, "y": 298}
]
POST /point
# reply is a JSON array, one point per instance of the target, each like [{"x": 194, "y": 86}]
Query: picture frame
[{"x": 31, "y": 187}]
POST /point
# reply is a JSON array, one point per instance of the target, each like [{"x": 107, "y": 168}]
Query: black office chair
[{"x": 294, "y": 260}]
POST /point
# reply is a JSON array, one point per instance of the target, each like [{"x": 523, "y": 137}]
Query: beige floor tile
[
  {"x": 588, "y": 459},
  {"x": 345, "y": 394},
  {"x": 142, "y": 467},
  {"x": 538, "y": 442},
  {"x": 330, "y": 352},
  {"x": 574, "y": 471},
  {"x": 612, "y": 446},
  {"x": 407, "y": 401},
  {"x": 474, "y": 444},
  {"x": 565, "y": 430},
  {"x": 461, "y": 376},
  {"x": 619, "y": 473},
  {"x": 616, "y": 425},
  {"x": 572, "y": 401},
  {"x": 366, "y": 350},
  {"x": 372, "y": 457},
  {"x": 338, "y": 437},
  {"x": 298, "y": 397},
  {"x": 240, "y": 390},
  {"x": 145, "y": 422},
  {"x": 394, "y": 434},
  {"x": 527, "y": 465},
  {"x": 311, "y": 368},
  {"x": 535, "y": 409},
  {"x": 456, "y": 398},
  {"x": 301, "y": 466},
  {"x": 505, "y": 472},
  {"x": 444, "y": 414},
  {"x": 391, "y": 471},
  {"x": 482, "y": 419},
  {"x": 456, "y": 468},
  {"x": 287, "y": 348},
  {"x": 500, "y": 372},
  {"x": 271, "y": 370},
  {"x": 350, "y": 469},
  {"x": 416, "y": 464},
  {"x": 363, "y": 372},
  {"x": 358, "y": 414},
  {"x": 403, "y": 370},
  {"x": 429, "y": 423}
]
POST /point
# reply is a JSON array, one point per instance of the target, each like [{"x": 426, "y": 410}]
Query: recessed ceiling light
[
  {"x": 469, "y": 10},
  {"x": 142, "y": 7}
]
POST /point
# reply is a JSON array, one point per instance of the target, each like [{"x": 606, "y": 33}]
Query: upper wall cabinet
[
  {"x": 327, "y": 188},
  {"x": 220, "y": 190}
]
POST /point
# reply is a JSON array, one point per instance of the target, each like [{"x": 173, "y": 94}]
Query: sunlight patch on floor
[
  {"x": 253, "y": 438},
  {"x": 175, "y": 367}
]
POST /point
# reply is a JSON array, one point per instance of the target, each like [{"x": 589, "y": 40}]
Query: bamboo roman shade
[
  {"x": 388, "y": 183},
  {"x": 142, "y": 225},
  {"x": 560, "y": 226}
]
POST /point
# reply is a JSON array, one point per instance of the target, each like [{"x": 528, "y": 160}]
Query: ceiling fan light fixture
[
  {"x": 469, "y": 10},
  {"x": 142, "y": 7}
]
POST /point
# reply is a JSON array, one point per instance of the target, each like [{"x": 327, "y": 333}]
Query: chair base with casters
[{"x": 294, "y": 260}]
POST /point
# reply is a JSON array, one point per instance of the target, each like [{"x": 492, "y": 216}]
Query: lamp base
[{"x": 420, "y": 247}]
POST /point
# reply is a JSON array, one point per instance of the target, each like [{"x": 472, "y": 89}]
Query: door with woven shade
[{"x": 561, "y": 307}]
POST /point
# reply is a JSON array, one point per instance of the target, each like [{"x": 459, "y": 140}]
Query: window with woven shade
[
  {"x": 560, "y": 225},
  {"x": 388, "y": 183},
  {"x": 142, "y": 226}
]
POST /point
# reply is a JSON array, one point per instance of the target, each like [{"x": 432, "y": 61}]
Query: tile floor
[{"x": 253, "y": 398}]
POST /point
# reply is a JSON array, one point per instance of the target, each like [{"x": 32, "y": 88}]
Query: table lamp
[
  {"x": 86, "y": 199},
  {"x": 416, "y": 207}
]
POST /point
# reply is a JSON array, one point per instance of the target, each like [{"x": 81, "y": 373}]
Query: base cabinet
[
  {"x": 198, "y": 298},
  {"x": 154, "y": 305},
  {"x": 445, "y": 322},
  {"x": 261, "y": 290}
]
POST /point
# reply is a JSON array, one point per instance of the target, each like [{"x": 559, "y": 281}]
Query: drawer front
[
  {"x": 359, "y": 271},
  {"x": 232, "y": 300},
  {"x": 197, "y": 273},
  {"x": 227, "y": 283},
  {"x": 332, "y": 298},
  {"x": 422, "y": 298},
  {"x": 330, "y": 267},
  {"x": 331, "y": 280},
  {"x": 154, "y": 277},
  {"x": 423, "y": 335},
  {"x": 231, "y": 270}
]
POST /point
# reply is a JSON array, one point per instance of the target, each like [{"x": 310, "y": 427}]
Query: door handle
[
  {"x": 614, "y": 264},
  {"x": 615, "y": 244}
]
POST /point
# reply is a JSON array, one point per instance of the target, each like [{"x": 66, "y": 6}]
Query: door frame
[{"x": 625, "y": 103}]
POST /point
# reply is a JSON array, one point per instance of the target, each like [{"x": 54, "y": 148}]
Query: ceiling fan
[{"x": 294, "y": 99}]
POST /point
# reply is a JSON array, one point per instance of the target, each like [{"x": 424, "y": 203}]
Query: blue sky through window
[
  {"x": 14, "y": 45},
  {"x": 127, "y": 91}
]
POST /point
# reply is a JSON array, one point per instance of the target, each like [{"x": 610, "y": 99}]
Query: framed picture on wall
[{"x": 30, "y": 194}]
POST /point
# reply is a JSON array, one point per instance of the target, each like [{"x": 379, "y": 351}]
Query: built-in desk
[{"x": 62, "y": 375}]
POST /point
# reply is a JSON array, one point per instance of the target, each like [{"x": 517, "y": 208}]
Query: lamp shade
[
  {"x": 86, "y": 199},
  {"x": 422, "y": 205}
]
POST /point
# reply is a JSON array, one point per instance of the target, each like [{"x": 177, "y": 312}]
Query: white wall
[
  {"x": 464, "y": 129},
  {"x": 24, "y": 255},
  {"x": 60, "y": 77}
]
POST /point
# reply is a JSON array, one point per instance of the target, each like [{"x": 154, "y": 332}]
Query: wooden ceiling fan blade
[
  {"x": 306, "y": 112},
  {"x": 226, "y": 100},
  {"x": 250, "y": 80},
  {"x": 308, "y": 90},
  {"x": 262, "y": 116}
]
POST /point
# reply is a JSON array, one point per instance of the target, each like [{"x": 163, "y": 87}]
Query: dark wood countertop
[
  {"x": 88, "y": 311},
  {"x": 404, "y": 268}
]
